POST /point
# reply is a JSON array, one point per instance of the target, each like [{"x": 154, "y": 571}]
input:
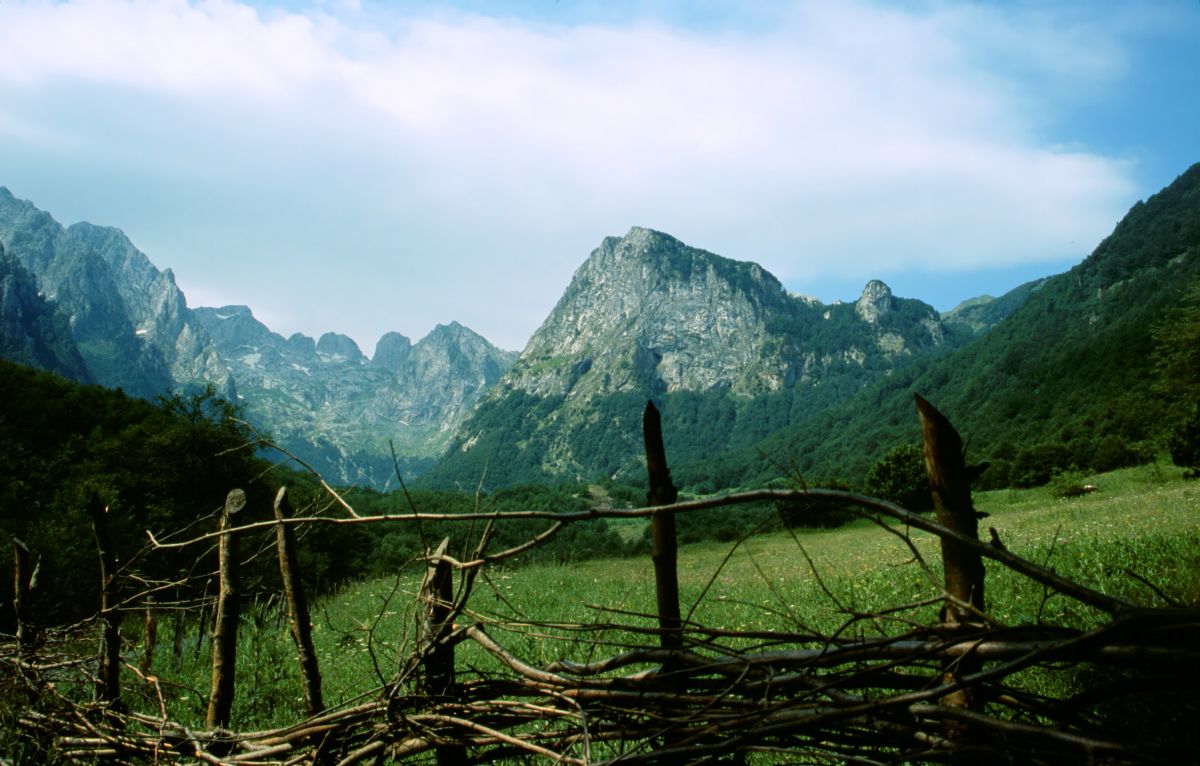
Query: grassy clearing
[{"x": 1143, "y": 520}]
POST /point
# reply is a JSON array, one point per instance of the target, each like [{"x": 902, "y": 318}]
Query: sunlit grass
[{"x": 1144, "y": 521}]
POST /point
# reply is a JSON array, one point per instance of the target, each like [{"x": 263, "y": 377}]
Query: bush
[
  {"x": 901, "y": 478},
  {"x": 1035, "y": 466},
  {"x": 816, "y": 512},
  {"x": 1184, "y": 444},
  {"x": 1069, "y": 484}
]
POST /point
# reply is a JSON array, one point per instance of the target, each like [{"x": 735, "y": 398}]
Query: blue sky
[{"x": 361, "y": 167}]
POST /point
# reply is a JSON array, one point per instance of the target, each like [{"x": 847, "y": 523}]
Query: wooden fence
[{"x": 941, "y": 692}]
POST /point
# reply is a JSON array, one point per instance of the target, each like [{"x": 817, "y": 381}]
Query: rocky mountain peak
[
  {"x": 647, "y": 310},
  {"x": 129, "y": 320},
  {"x": 709, "y": 337},
  {"x": 84, "y": 301},
  {"x": 335, "y": 346},
  {"x": 391, "y": 351},
  {"x": 233, "y": 325},
  {"x": 876, "y": 300},
  {"x": 301, "y": 344}
]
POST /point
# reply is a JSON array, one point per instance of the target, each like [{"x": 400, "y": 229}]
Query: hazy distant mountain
[
  {"x": 128, "y": 319},
  {"x": 336, "y": 409},
  {"x": 729, "y": 354},
  {"x": 84, "y": 302},
  {"x": 978, "y": 315}
]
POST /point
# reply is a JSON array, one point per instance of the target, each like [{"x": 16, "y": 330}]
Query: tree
[
  {"x": 901, "y": 478},
  {"x": 1177, "y": 362}
]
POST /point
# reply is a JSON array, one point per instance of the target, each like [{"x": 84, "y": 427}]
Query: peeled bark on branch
[{"x": 24, "y": 582}]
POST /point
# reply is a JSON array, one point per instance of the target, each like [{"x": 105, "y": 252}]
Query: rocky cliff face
[
  {"x": 87, "y": 291},
  {"x": 648, "y": 312},
  {"x": 129, "y": 320},
  {"x": 34, "y": 331},
  {"x": 647, "y": 316},
  {"x": 336, "y": 409}
]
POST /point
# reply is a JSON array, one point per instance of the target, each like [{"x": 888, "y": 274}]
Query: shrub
[
  {"x": 816, "y": 512},
  {"x": 900, "y": 477}
]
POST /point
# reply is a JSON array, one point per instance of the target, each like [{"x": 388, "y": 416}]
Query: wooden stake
[
  {"x": 24, "y": 582},
  {"x": 224, "y": 639},
  {"x": 437, "y": 593},
  {"x": 293, "y": 590},
  {"x": 951, "y": 483},
  {"x": 179, "y": 625},
  {"x": 664, "y": 551},
  {"x": 149, "y": 636},
  {"x": 108, "y": 679},
  {"x": 963, "y": 570}
]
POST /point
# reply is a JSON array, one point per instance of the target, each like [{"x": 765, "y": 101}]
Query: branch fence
[{"x": 943, "y": 692}]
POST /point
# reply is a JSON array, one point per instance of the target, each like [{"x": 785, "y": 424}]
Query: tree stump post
[
  {"x": 24, "y": 583},
  {"x": 297, "y": 601},
  {"x": 664, "y": 552},
  {"x": 963, "y": 572},
  {"x": 149, "y": 635},
  {"x": 108, "y": 679},
  {"x": 224, "y": 639},
  {"x": 437, "y": 594},
  {"x": 179, "y": 625}
]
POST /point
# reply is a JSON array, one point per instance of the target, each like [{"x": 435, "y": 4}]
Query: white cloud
[{"x": 844, "y": 139}]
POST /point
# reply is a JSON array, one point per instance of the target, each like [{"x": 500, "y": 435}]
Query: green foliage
[
  {"x": 1068, "y": 483},
  {"x": 1034, "y": 466},
  {"x": 814, "y": 512},
  {"x": 721, "y": 524},
  {"x": 1177, "y": 361},
  {"x": 1067, "y": 378},
  {"x": 499, "y": 445},
  {"x": 900, "y": 477},
  {"x": 156, "y": 467},
  {"x": 1184, "y": 443}
]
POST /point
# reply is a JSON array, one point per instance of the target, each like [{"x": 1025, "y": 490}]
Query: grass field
[{"x": 1143, "y": 521}]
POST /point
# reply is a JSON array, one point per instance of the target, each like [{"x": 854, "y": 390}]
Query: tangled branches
[
  {"x": 953, "y": 690},
  {"x": 802, "y": 696}
]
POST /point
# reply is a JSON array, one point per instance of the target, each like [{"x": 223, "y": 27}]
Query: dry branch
[{"x": 714, "y": 693}]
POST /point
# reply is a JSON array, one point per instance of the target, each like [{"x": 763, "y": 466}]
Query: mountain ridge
[
  {"x": 133, "y": 329},
  {"x": 646, "y": 316},
  {"x": 1066, "y": 379}
]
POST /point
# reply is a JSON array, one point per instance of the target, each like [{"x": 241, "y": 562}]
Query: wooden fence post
[
  {"x": 224, "y": 639},
  {"x": 963, "y": 571},
  {"x": 293, "y": 590},
  {"x": 950, "y": 480},
  {"x": 24, "y": 583},
  {"x": 149, "y": 635},
  {"x": 179, "y": 625},
  {"x": 663, "y": 551},
  {"x": 108, "y": 680},
  {"x": 437, "y": 593}
]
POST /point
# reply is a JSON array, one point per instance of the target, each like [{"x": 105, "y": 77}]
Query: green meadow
[{"x": 1137, "y": 536}]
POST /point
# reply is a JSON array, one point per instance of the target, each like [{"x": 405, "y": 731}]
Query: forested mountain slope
[
  {"x": 1067, "y": 379},
  {"x": 728, "y": 354}
]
